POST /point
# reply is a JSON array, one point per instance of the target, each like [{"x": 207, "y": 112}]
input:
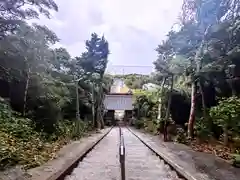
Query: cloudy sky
[{"x": 133, "y": 28}]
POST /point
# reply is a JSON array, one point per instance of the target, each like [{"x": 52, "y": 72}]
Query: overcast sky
[{"x": 133, "y": 28}]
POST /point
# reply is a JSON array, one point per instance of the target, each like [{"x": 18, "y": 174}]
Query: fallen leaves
[{"x": 215, "y": 148}]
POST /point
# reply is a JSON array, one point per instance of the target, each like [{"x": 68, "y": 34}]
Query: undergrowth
[{"x": 21, "y": 144}]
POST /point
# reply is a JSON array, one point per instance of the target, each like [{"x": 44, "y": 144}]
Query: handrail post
[
  {"x": 119, "y": 134},
  {"x": 122, "y": 154}
]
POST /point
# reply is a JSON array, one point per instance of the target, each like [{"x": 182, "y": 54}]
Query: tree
[
  {"x": 204, "y": 14},
  {"x": 13, "y": 13},
  {"x": 196, "y": 43},
  {"x": 94, "y": 59},
  {"x": 61, "y": 60},
  {"x": 93, "y": 64},
  {"x": 167, "y": 69},
  {"x": 38, "y": 82},
  {"x": 31, "y": 46}
]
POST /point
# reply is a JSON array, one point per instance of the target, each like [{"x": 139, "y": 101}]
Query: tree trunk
[
  {"x": 138, "y": 111},
  {"x": 77, "y": 102},
  {"x": 165, "y": 135},
  {"x": 192, "y": 112},
  {"x": 26, "y": 92},
  {"x": 101, "y": 109},
  {"x": 101, "y": 117},
  {"x": 232, "y": 87},
  {"x": 225, "y": 135},
  {"x": 99, "y": 100},
  {"x": 198, "y": 61},
  {"x": 93, "y": 107},
  {"x": 98, "y": 119},
  {"x": 95, "y": 118},
  {"x": 205, "y": 114},
  {"x": 102, "y": 122},
  {"x": 161, "y": 99}
]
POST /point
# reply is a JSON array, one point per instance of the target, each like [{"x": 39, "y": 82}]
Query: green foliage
[
  {"x": 145, "y": 104},
  {"x": 13, "y": 13},
  {"x": 94, "y": 59},
  {"x": 203, "y": 128},
  {"x": 146, "y": 108},
  {"x": 204, "y": 51},
  {"x": 135, "y": 81},
  {"x": 150, "y": 126},
  {"x": 21, "y": 144},
  {"x": 139, "y": 123},
  {"x": 206, "y": 41},
  {"x": 181, "y": 136},
  {"x": 236, "y": 160},
  {"x": 47, "y": 76},
  {"x": 227, "y": 113},
  {"x": 40, "y": 84},
  {"x": 78, "y": 128},
  {"x": 11, "y": 124},
  {"x": 47, "y": 100}
]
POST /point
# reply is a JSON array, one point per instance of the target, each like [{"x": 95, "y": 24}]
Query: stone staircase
[{"x": 143, "y": 164}]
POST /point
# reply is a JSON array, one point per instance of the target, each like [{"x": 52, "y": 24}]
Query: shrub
[
  {"x": 226, "y": 115},
  {"x": 151, "y": 125},
  {"x": 21, "y": 144},
  {"x": 139, "y": 124},
  {"x": 181, "y": 136},
  {"x": 236, "y": 160},
  {"x": 203, "y": 129}
]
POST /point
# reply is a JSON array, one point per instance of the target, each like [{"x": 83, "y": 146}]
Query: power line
[
  {"x": 131, "y": 66},
  {"x": 129, "y": 69}
]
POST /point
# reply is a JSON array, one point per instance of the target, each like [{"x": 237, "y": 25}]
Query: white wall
[{"x": 118, "y": 102}]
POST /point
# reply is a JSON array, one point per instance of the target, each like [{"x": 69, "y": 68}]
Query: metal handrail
[{"x": 121, "y": 154}]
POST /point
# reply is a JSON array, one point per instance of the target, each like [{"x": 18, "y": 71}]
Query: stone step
[
  {"x": 102, "y": 163},
  {"x": 142, "y": 163}
]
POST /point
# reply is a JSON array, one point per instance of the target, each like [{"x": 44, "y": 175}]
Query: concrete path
[{"x": 102, "y": 163}]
